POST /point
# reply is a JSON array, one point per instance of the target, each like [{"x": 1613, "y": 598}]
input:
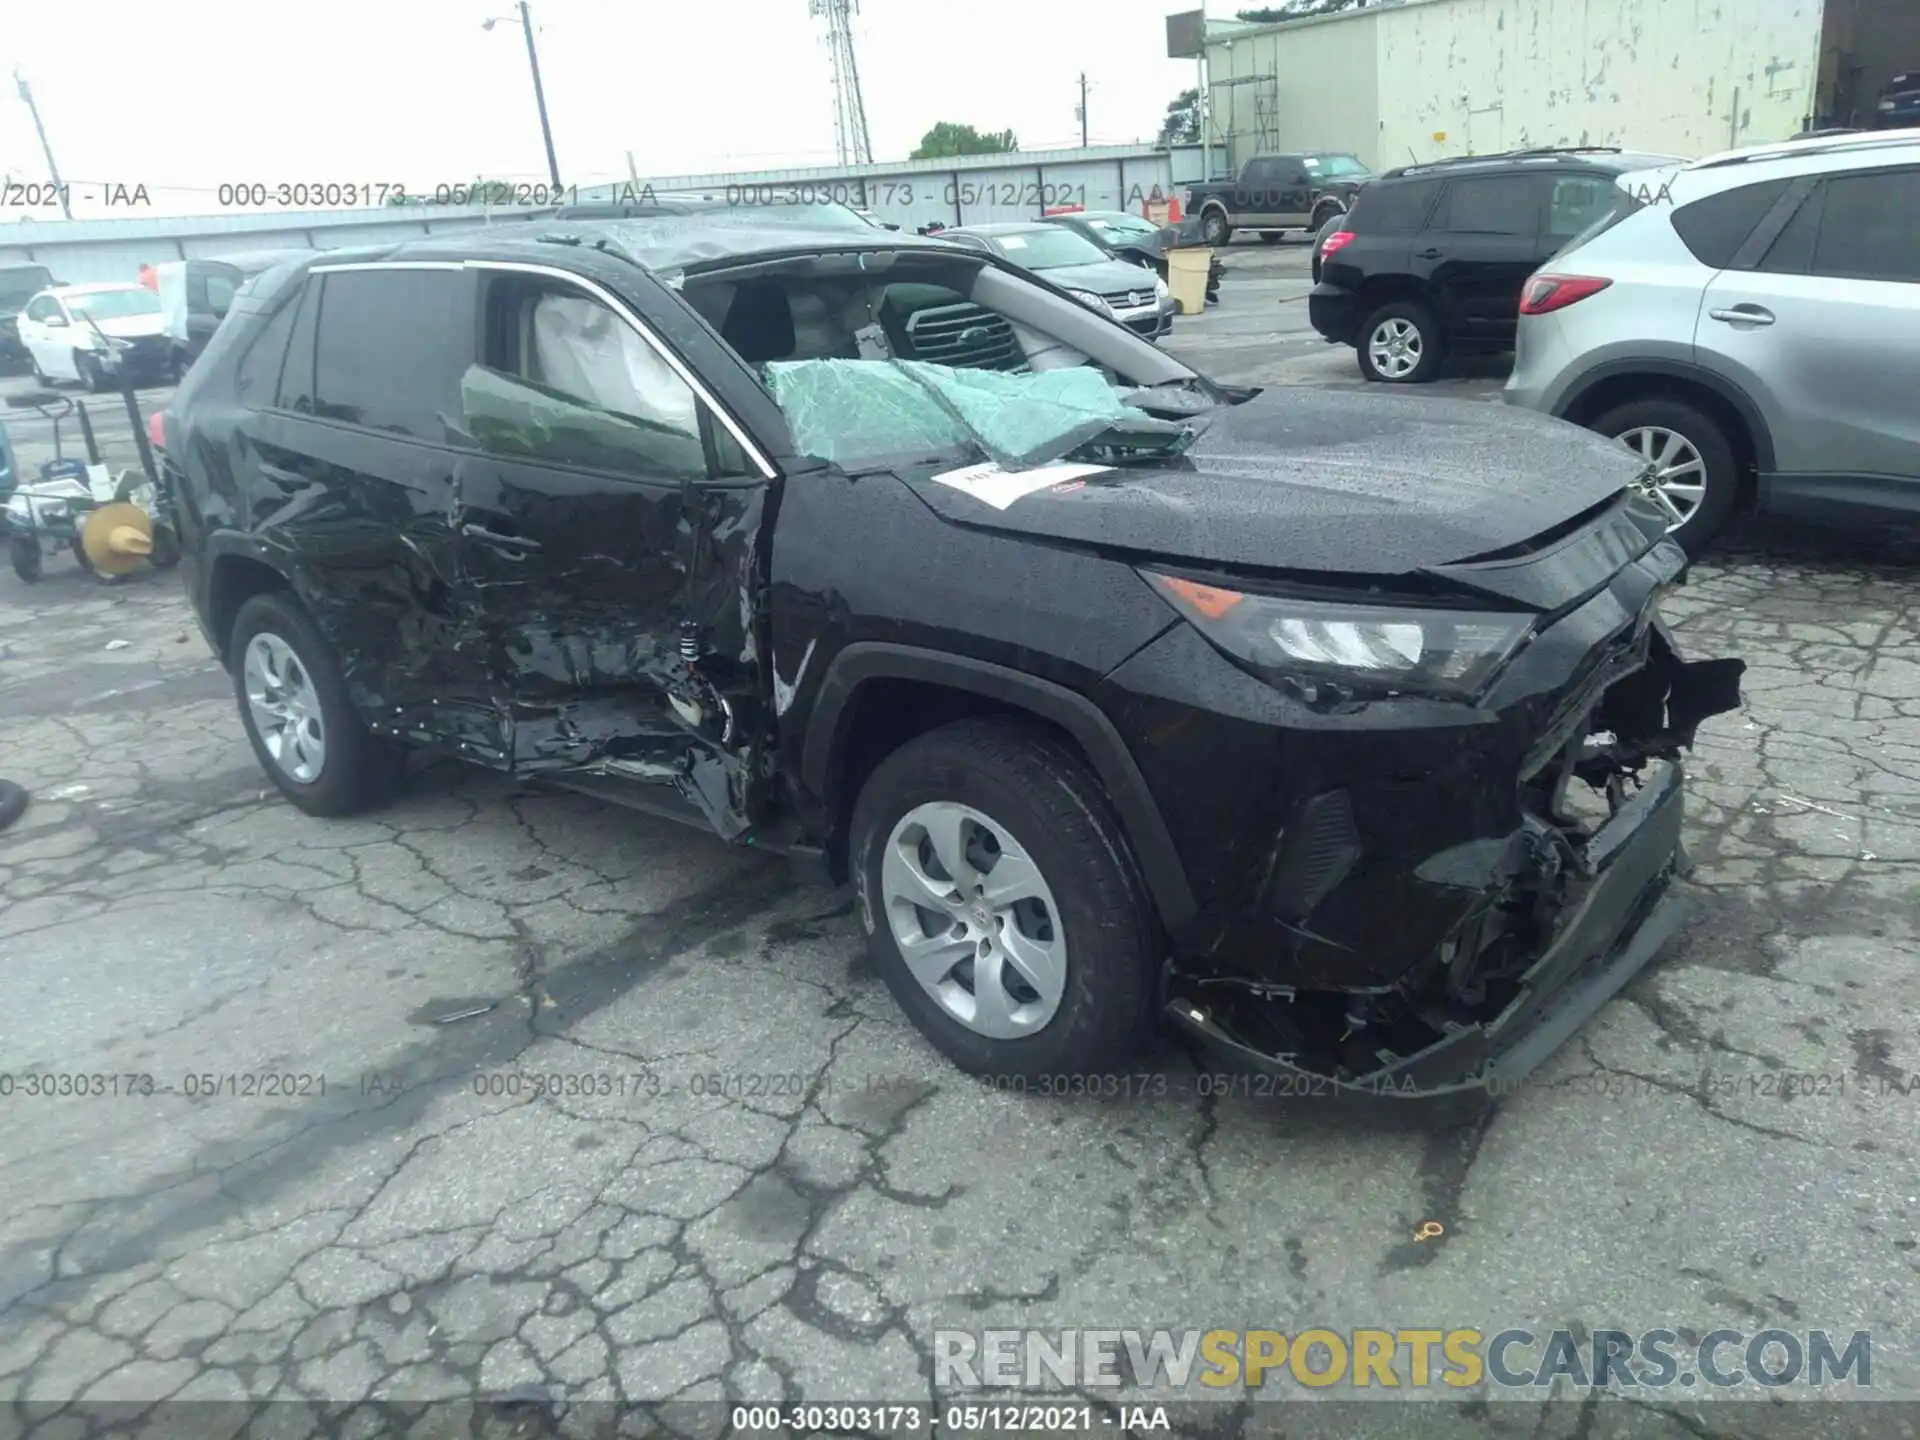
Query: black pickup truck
[{"x": 1276, "y": 193}]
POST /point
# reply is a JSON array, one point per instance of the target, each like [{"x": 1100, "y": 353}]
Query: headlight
[
  {"x": 17, "y": 508},
  {"x": 1159, "y": 288},
  {"x": 1886, "y": 105},
  {"x": 1092, "y": 301},
  {"x": 1376, "y": 649}
]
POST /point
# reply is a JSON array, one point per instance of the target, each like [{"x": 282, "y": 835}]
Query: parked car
[
  {"x": 1277, "y": 193},
  {"x": 1899, "y": 107},
  {"x": 196, "y": 294},
  {"x": 1084, "y": 269},
  {"x": 18, "y": 285},
  {"x": 89, "y": 332},
  {"x": 1135, "y": 239},
  {"x": 1334, "y": 224},
  {"x": 1114, "y": 692},
  {"x": 1751, "y": 331},
  {"x": 1433, "y": 257}
]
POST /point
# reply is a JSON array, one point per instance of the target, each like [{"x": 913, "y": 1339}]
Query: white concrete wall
[
  {"x": 1325, "y": 92},
  {"x": 1687, "y": 77}
]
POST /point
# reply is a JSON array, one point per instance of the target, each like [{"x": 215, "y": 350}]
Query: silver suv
[{"x": 1750, "y": 323}]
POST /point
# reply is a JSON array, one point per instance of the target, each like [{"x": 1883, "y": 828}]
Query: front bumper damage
[{"x": 1569, "y": 911}]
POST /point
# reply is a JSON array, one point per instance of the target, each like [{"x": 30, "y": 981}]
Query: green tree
[
  {"x": 1182, "y": 123},
  {"x": 947, "y": 138}
]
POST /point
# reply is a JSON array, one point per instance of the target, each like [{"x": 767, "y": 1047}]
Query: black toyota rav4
[{"x": 1117, "y": 694}]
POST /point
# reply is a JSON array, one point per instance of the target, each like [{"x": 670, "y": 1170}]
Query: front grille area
[
  {"x": 1130, "y": 299},
  {"x": 966, "y": 337}
]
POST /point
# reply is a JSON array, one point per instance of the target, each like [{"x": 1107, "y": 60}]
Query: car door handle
[
  {"x": 517, "y": 543},
  {"x": 1744, "y": 315},
  {"x": 1429, "y": 254}
]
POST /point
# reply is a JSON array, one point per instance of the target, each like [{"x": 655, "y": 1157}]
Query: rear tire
[
  {"x": 320, "y": 754},
  {"x": 1005, "y": 792},
  {"x": 1400, "y": 344},
  {"x": 1688, "y": 438}
]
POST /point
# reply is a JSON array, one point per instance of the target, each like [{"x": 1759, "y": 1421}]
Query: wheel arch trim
[
  {"x": 1139, "y": 813},
  {"x": 1706, "y": 379}
]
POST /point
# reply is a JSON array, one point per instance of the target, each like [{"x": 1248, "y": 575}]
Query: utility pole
[
  {"x": 1083, "y": 109},
  {"x": 539, "y": 94},
  {"x": 53, "y": 170}
]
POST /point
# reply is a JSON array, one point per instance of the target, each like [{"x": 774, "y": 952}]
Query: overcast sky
[{"x": 187, "y": 95}]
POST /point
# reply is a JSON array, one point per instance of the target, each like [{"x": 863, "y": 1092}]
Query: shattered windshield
[{"x": 857, "y": 413}]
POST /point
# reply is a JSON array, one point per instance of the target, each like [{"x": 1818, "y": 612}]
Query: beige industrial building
[{"x": 1404, "y": 80}]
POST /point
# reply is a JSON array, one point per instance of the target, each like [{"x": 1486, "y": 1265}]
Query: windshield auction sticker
[{"x": 1000, "y": 488}]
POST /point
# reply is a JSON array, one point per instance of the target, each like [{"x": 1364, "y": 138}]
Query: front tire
[
  {"x": 92, "y": 374},
  {"x": 1698, "y": 480},
  {"x": 1001, "y": 904},
  {"x": 24, "y": 552},
  {"x": 1214, "y": 226},
  {"x": 1400, "y": 344},
  {"x": 303, "y": 728}
]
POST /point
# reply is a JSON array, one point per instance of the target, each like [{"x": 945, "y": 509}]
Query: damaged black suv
[{"x": 1340, "y": 731}]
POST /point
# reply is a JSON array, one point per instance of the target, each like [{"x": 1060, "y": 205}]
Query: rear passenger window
[
  {"x": 391, "y": 349},
  {"x": 1491, "y": 205},
  {"x": 257, "y": 377},
  {"x": 1579, "y": 201},
  {"x": 1715, "y": 228},
  {"x": 1871, "y": 228},
  {"x": 1393, "y": 208}
]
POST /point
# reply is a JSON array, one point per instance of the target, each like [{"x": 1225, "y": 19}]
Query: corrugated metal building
[
  {"x": 1419, "y": 79},
  {"x": 963, "y": 190}
]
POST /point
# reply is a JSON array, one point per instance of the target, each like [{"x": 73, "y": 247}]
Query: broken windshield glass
[{"x": 844, "y": 411}]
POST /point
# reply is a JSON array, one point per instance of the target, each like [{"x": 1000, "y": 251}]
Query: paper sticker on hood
[{"x": 1000, "y": 488}]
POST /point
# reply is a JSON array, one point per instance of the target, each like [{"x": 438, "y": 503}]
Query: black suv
[
  {"x": 1115, "y": 693},
  {"x": 1433, "y": 258}
]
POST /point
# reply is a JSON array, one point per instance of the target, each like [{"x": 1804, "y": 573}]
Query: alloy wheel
[
  {"x": 974, "y": 920},
  {"x": 285, "y": 707},
  {"x": 1395, "y": 348},
  {"x": 1677, "y": 476}
]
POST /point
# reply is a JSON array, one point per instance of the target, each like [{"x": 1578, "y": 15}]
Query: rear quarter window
[
  {"x": 1393, "y": 207},
  {"x": 1715, "y": 228}
]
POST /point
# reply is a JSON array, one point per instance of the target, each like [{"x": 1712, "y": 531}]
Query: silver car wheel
[
  {"x": 1676, "y": 475},
  {"x": 285, "y": 707},
  {"x": 1395, "y": 348},
  {"x": 974, "y": 920}
]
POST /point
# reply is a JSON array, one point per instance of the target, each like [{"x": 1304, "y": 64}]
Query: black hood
[{"x": 1319, "y": 481}]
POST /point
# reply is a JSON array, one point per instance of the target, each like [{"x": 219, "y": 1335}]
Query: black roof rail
[{"x": 1534, "y": 153}]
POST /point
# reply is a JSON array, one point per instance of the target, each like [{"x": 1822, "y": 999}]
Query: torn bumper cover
[{"x": 1582, "y": 909}]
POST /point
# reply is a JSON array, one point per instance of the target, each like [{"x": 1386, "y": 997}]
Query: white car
[{"x": 88, "y": 332}]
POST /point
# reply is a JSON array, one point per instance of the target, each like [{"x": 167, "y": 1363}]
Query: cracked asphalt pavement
[{"x": 506, "y": 1088}]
